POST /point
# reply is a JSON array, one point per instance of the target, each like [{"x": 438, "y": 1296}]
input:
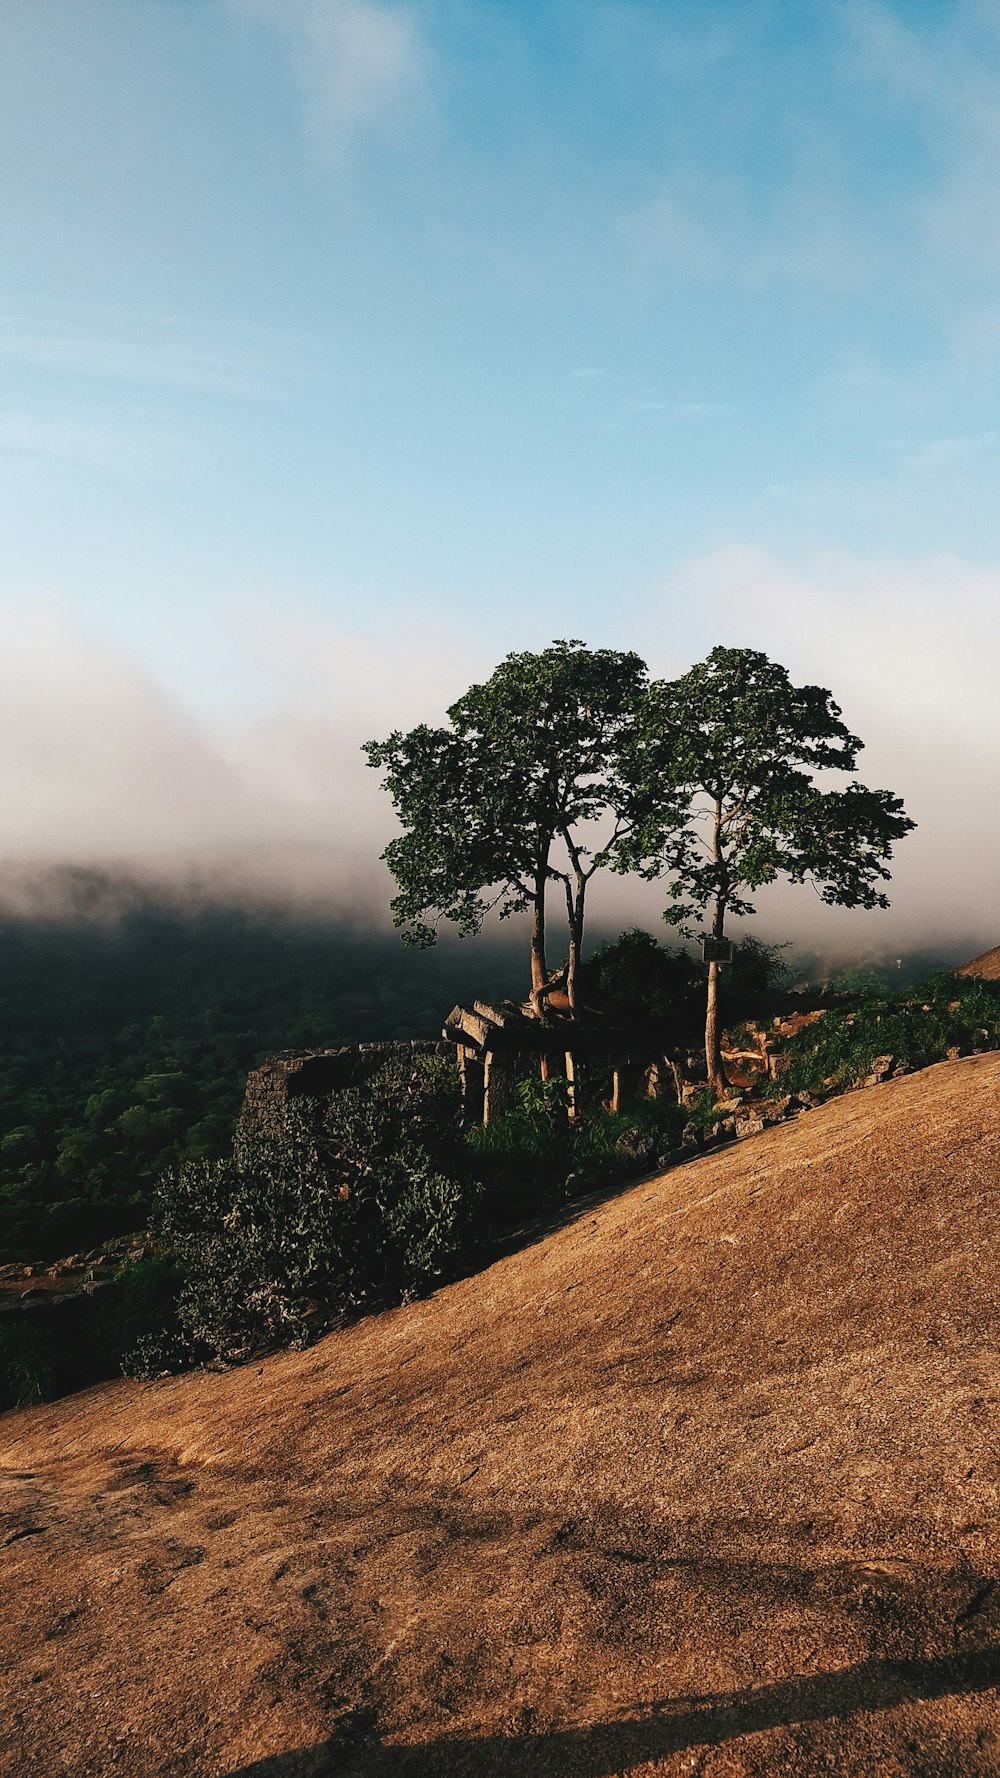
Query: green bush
[
  {"x": 27, "y": 1375},
  {"x": 534, "y": 1159},
  {"x": 521, "y": 1161},
  {"x": 353, "y": 1210},
  {"x": 664, "y": 983},
  {"x": 756, "y": 968},
  {"x": 366, "y": 1203},
  {"x": 861, "y": 981},
  {"x": 139, "y": 1306},
  {"x": 947, "y": 1014}
]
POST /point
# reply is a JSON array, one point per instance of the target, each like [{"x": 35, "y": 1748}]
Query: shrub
[
  {"x": 756, "y": 968},
  {"x": 861, "y": 980},
  {"x": 534, "y": 1159},
  {"x": 353, "y": 1209},
  {"x": 138, "y": 1307},
  {"x": 366, "y": 1203},
  {"x": 947, "y": 1014},
  {"x": 664, "y": 983},
  {"x": 26, "y": 1370},
  {"x": 520, "y": 1161}
]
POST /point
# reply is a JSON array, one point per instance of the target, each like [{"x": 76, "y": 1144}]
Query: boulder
[
  {"x": 585, "y": 1180},
  {"x": 638, "y": 1148},
  {"x": 880, "y": 1070}
]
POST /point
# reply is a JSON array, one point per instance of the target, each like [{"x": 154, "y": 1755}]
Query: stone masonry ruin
[
  {"x": 604, "y": 1059},
  {"x": 495, "y": 1047},
  {"x": 286, "y": 1078},
  {"x": 499, "y": 1045}
]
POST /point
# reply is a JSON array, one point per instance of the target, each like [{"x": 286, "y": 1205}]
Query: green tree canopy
[
  {"x": 522, "y": 789},
  {"x": 738, "y": 744}
]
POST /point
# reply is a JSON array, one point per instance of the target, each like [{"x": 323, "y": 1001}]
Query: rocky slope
[
  {"x": 987, "y": 966},
  {"x": 705, "y": 1480}
]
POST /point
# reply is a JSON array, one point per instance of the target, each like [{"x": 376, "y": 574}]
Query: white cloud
[
  {"x": 355, "y": 683},
  {"x": 708, "y": 230},
  {"x": 690, "y": 54},
  {"x": 100, "y": 765},
  {"x": 93, "y": 760},
  {"x": 939, "y": 453},
  {"x": 812, "y": 237},
  {"x": 359, "y": 63},
  {"x": 949, "y": 75},
  {"x": 89, "y": 443},
  {"x": 684, "y": 230},
  {"x": 160, "y": 352},
  {"x": 911, "y": 651},
  {"x": 817, "y": 219}
]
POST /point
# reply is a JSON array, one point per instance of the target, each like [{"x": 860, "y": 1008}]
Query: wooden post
[
  {"x": 626, "y": 1081},
  {"x": 499, "y": 1086},
  {"x": 573, "y": 1087},
  {"x": 471, "y": 1075}
]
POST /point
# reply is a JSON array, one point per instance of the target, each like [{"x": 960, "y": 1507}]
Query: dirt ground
[{"x": 703, "y": 1481}]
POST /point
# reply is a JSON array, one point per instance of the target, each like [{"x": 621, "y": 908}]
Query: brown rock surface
[
  {"x": 987, "y": 966},
  {"x": 705, "y": 1481}
]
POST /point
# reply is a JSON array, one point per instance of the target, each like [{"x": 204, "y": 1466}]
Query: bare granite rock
[{"x": 702, "y": 1479}]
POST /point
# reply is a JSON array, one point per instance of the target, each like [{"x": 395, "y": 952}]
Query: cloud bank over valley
[{"x": 266, "y": 797}]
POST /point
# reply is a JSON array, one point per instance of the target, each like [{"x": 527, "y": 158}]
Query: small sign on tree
[{"x": 716, "y": 950}]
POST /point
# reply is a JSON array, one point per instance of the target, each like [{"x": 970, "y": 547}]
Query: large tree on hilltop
[
  {"x": 521, "y": 790},
  {"x": 737, "y": 743}
]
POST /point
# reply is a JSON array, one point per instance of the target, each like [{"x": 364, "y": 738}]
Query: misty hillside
[
  {"x": 126, "y": 1038},
  {"x": 704, "y": 1479}
]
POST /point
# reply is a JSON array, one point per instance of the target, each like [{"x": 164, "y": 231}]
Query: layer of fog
[{"x": 103, "y": 766}]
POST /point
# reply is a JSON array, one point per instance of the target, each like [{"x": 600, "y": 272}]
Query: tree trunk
[
  {"x": 717, "y": 1082},
  {"x": 574, "y": 918},
  {"x": 713, "y": 1048},
  {"x": 576, "y": 896},
  {"x": 539, "y": 967},
  {"x": 574, "y": 957}
]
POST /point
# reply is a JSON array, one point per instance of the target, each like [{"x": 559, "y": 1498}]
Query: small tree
[
  {"x": 738, "y": 742},
  {"x": 504, "y": 801}
]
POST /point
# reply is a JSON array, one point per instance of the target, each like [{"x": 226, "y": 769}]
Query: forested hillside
[
  {"x": 128, "y": 1026},
  {"x": 124, "y": 1045}
]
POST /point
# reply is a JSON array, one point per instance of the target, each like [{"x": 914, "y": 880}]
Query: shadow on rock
[{"x": 611, "y": 1748}]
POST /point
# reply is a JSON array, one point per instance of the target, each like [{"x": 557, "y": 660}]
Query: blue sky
[{"x": 347, "y": 344}]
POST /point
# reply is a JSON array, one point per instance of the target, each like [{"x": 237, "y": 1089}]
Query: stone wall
[{"x": 284, "y": 1078}]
